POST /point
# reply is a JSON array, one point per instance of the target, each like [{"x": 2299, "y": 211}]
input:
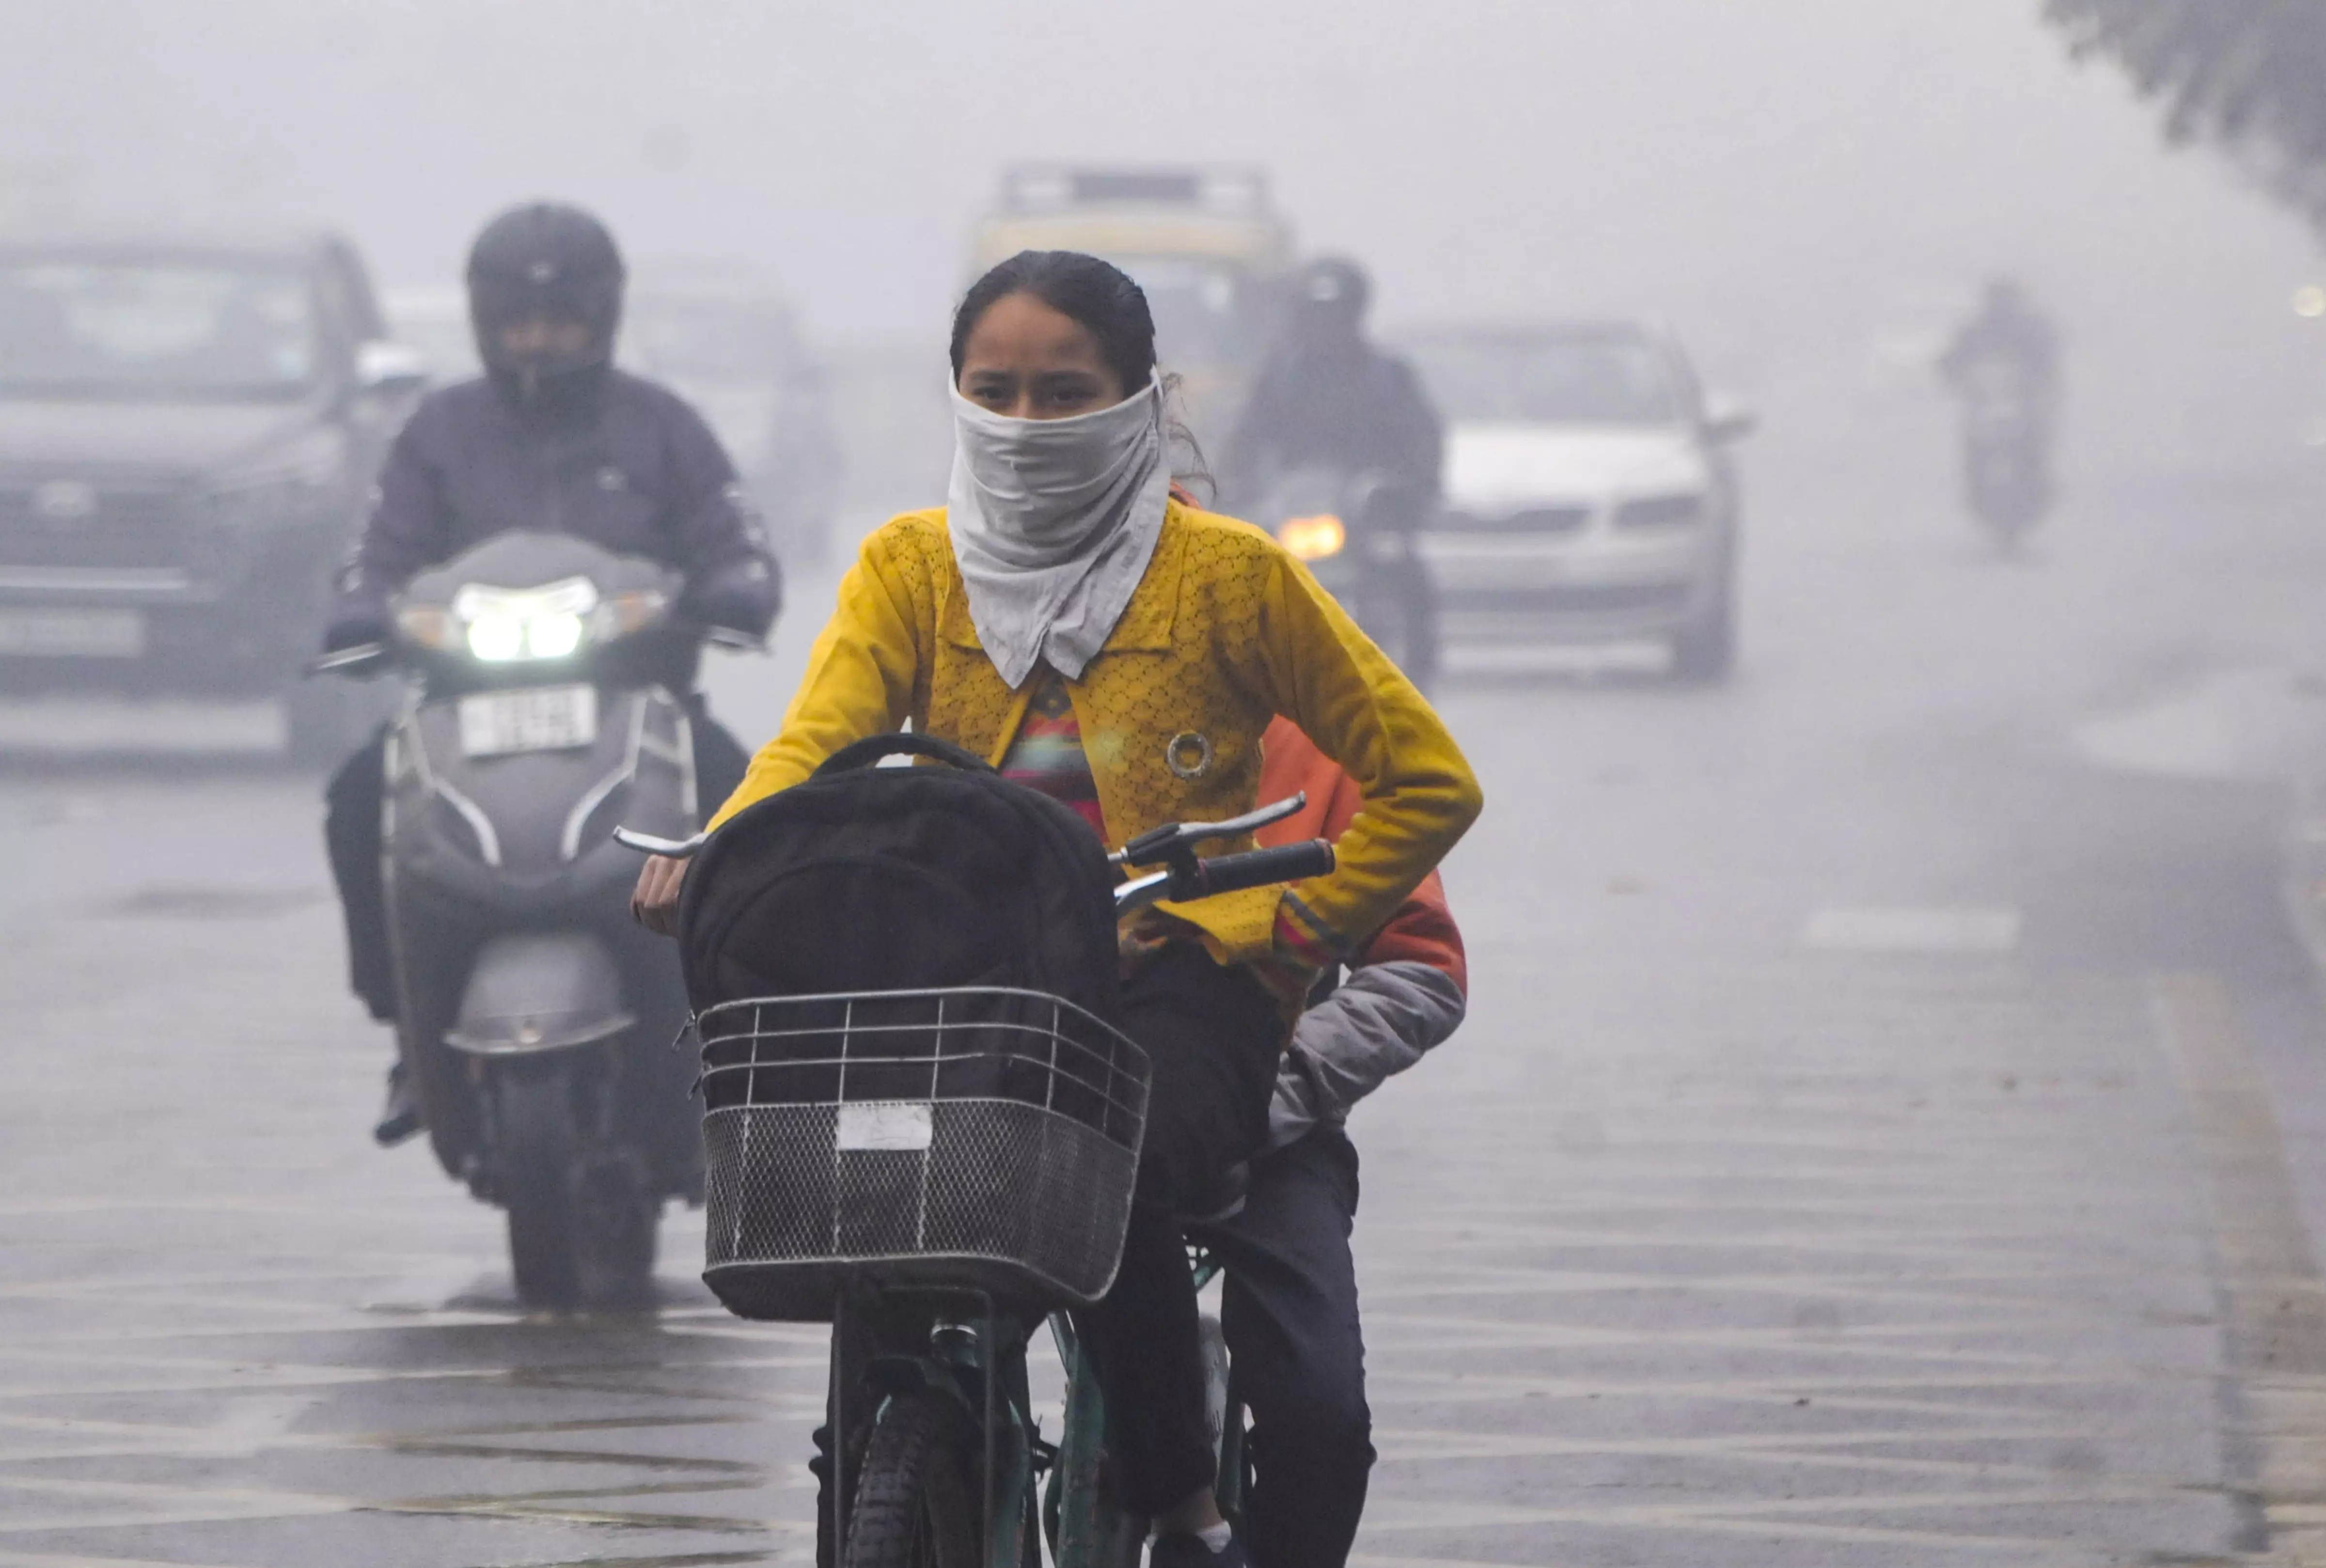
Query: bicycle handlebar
[
  {"x": 1227, "y": 874},
  {"x": 1187, "y": 877}
]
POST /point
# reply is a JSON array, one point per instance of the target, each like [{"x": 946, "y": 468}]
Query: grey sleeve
[{"x": 1382, "y": 1021}]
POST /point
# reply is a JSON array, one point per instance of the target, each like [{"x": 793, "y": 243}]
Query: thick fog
[
  {"x": 1809, "y": 188},
  {"x": 1855, "y": 1095}
]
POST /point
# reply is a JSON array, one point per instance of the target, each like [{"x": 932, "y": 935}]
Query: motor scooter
[
  {"x": 1339, "y": 524},
  {"x": 535, "y": 1018}
]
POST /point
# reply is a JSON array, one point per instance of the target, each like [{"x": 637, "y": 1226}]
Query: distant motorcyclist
[
  {"x": 2007, "y": 330},
  {"x": 2004, "y": 366},
  {"x": 552, "y": 437},
  {"x": 1328, "y": 398}
]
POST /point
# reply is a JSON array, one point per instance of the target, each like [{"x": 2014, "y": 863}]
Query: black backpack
[{"x": 864, "y": 878}]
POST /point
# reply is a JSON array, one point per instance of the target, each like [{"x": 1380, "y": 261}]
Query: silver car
[{"x": 1589, "y": 494}]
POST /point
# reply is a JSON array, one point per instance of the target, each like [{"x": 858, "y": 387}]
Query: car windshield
[
  {"x": 1202, "y": 309},
  {"x": 1581, "y": 377},
  {"x": 85, "y": 328}
]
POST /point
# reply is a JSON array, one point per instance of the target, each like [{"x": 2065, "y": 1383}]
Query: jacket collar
[{"x": 1146, "y": 624}]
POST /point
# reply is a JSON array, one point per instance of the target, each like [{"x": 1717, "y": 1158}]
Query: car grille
[
  {"x": 1531, "y": 520},
  {"x": 126, "y": 527}
]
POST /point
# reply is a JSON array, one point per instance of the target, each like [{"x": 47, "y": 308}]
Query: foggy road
[{"x": 1889, "y": 1129}]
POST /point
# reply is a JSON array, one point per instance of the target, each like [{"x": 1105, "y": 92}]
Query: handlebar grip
[
  {"x": 1261, "y": 868},
  {"x": 669, "y": 849},
  {"x": 357, "y": 659}
]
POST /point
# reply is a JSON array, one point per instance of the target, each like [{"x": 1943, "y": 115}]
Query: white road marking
[{"x": 1906, "y": 930}]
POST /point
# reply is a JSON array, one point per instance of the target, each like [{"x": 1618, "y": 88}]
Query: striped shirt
[{"x": 1048, "y": 754}]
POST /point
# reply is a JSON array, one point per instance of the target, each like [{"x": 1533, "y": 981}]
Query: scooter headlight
[
  {"x": 553, "y": 637},
  {"x": 1312, "y": 538},
  {"x": 507, "y": 625}
]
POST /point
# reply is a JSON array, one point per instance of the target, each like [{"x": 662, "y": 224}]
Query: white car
[{"x": 1588, "y": 492}]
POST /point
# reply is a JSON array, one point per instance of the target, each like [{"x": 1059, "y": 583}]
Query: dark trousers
[
  {"x": 351, "y": 811},
  {"x": 1289, "y": 1308},
  {"x": 1215, "y": 1039}
]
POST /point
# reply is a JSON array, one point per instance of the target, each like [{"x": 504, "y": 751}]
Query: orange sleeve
[{"x": 1422, "y": 930}]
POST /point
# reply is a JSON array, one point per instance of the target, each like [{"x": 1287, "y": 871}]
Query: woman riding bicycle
[{"x": 1070, "y": 619}]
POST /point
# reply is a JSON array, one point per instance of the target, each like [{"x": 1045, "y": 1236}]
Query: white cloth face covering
[{"x": 1053, "y": 524}]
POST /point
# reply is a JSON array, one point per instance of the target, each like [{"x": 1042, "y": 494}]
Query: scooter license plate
[{"x": 537, "y": 719}]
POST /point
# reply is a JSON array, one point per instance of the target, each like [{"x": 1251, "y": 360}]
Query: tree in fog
[{"x": 2247, "y": 75}]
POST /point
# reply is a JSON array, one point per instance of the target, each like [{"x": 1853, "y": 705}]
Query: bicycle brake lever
[{"x": 1158, "y": 845}]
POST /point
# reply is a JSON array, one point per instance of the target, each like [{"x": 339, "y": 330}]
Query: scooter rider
[
  {"x": 552, "y": 437},
  {"x": 2007, "y": 330},
  {"x": 1329, "y": 397},
  {"x": 2009, "y": 335}
]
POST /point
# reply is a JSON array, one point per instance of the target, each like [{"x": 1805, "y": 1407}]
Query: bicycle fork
[{"x": 977, "y": 1364}]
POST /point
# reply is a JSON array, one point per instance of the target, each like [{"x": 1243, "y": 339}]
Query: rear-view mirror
[
  {"x": 1726, "y": 421},
  {"x": 382, "y": 366}
]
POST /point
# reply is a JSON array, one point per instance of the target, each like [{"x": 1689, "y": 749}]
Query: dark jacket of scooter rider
[
  {"x": 1328, "y": 398},
  {"x": 555, "y": 438}
]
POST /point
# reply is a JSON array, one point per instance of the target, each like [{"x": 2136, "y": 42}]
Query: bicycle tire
[{"x": 915, "y": 1497}]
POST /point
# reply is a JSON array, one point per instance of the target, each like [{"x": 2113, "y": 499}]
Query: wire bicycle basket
[{"x": 981, "y": 1140}]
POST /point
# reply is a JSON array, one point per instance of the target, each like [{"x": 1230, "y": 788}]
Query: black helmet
[
  {"x": 1333, "y": 285},
  {"x": 1329, "y": 296},
  {"x": 545, "y": 259}
]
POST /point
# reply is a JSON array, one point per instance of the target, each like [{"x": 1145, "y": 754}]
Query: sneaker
[
  {"x": 1183, "y": 1551},
  {"x": 399, "y": 1118}
]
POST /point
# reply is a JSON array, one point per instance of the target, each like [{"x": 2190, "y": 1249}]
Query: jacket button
[{"x": 1189, "y": 755}]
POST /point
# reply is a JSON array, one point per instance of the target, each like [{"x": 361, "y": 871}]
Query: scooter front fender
[{"x": 531, "y": 992}]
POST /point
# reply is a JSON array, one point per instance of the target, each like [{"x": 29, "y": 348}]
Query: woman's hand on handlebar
[{"x": 654, "y": 904}]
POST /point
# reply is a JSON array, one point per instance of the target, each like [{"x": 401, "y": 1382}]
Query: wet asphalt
[{"x": 1890, "y": 1128}]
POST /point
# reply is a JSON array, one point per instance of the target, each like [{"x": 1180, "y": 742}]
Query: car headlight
[{"x": 1312, "y": 538}]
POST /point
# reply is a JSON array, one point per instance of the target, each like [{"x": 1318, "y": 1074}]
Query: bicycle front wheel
[{"x": 917, "y": 1495}]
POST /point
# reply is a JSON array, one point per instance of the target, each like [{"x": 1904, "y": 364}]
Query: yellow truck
[{"x": 1206, "y": 243}]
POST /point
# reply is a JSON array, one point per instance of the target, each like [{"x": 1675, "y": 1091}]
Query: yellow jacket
[{"x": 1224, "y": 632}]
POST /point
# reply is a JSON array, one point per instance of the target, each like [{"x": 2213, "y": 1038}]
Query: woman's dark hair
[{"x": 1099, "y": 296}]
